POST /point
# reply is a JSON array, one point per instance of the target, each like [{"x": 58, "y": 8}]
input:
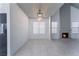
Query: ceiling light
[
  {"x": 39, "y": 18},
  {"x": 39, "y": 15}
]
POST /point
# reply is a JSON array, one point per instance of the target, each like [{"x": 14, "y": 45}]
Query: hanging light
[{"x": 39, "y": 15}]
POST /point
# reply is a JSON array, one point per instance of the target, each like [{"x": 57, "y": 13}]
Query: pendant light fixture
[{"x": 39, "y": 15}]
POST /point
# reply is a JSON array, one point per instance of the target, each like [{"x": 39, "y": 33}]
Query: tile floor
[{"x": 38, "y": 47}]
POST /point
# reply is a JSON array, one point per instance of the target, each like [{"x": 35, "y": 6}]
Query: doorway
[{"x": 3, "y": 34}]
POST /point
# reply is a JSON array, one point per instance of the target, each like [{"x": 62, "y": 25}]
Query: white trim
[{"x": 49, "y": 28}]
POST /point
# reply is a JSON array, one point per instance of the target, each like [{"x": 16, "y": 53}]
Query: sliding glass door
[{"x": 3, "y": 34}]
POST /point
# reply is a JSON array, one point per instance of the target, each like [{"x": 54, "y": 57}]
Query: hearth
[{"x": 65, "y": 35}]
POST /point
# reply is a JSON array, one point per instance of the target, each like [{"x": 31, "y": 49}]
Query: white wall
[
  {"x": 18, "y": 28},
  {"x": 74, "y": 14},
  {"x": 4, "y": 8},
  {"x": 56, "y": 18},
  {"x": 74, "y": 17},
  {"x": 38, "y": 36}
]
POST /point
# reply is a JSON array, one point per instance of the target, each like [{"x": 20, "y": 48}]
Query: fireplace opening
[{"x": 64, "y": 35}]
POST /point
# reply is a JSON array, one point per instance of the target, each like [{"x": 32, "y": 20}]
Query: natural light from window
[
  {"x": 54, "y": 27},
  {"x": 75, "y": 27},
  {"x": 1, "y": 28},
  {"x": 38, "y": 27}
]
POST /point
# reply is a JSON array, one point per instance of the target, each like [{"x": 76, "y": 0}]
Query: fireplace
[{"x": 65, "y": 35}]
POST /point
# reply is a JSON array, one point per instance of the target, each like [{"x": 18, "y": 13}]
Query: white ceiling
[{"x": 31, "y": 9}]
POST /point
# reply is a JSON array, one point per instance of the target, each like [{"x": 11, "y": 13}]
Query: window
[
  {"x": 38, "y": 27},
  {"x": 42, "y": 28},
  {"x": 54, "y": 27},
  {"x": 35, "y": 27},
  {"x": 75, "y": 27},
  {"x": 75, "y": 24},
  {"x": 1, "y": 28}
]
